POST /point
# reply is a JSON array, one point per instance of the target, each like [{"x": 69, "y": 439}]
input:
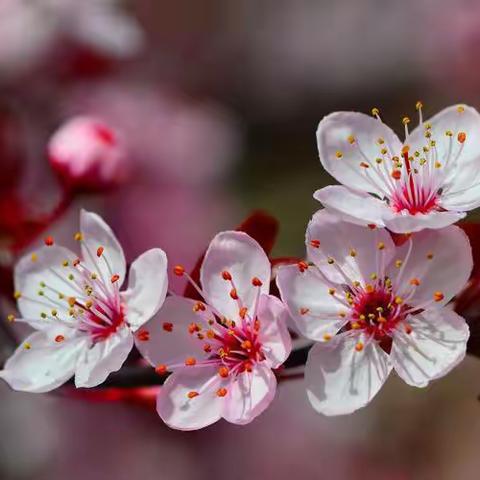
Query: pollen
[
  {"x": 396, "y": 174},
  {"x": 11, "y": 318},
  {"x": 49, "y": 241},
  {"x": 223, "y": 371},
  {"x": 226, "y": 275},
  {"x": 327, "y": 337},
  {"x": 398, "y": 300},
  {"x": 415, "y": 282},
  {"x": 315, "y": 243},
  {"x": 304, "y": 311},
  {"x": 418, "y": 105},
  {"x": 27, "y": 346},
  {"x": 190, "y": 362},
  {"x": 438, "y": 296},
  {"x": 353, "y": 252},
  {"x": 449, "y": 133},
  {"x": 256, "y": 282},
  {"x": 438, "y": 165},
  {"x": 59, "y": 338},
  {"x": 221, "y": 392},
  {"x": 429, "y": 256},
  {"x": 167, "y": 326},
  {"x": 373, "y": 276},
  {"x": 380, "y": 245},
  {"x": 355, "y": 325},
  {"x": 199, "y": 307},
  {"x": 375, "y": 111},
  {"x": 65, "y": 263},
  {"x": 34, "y": 257},
  {"x": 359, "y": 347},
  {"x": 460, "y": 109},
  {"x": 234, "y": 294},
  {"x": 207, "y": 348},
  {"x": 351, "y": 139},
  {"x": 331, "y": 291},
  {"x": 78, "y": 237},
  {"x": 243, "y": 312},
  {"x": 398, "y": 263},
  {"x": 54, "y": 313},
  {"x": 17, "y": 295},
  {"x": 379, "y": 160},
  {"x": 193, "y": 328},
  {"x": 302, "y": 266},
  {"x": 369, "y": 288},
  {"x": 143, "y": 335},
  {"x": 330, "y": 261},
  {"x": 161, "y": 369},
  {"x": 89, "y": 304},
  {"x": 246, "y": 345},
  {"x": 405, "y": 120},
  {"x": 100, "y": 251},
  {"x": 461, "y": 137},
  {"x": 364, "y": 165},
  {"x": 338, "y": 154},
  {"x": 380, "y": 141},
  {"x": 115, "y": 278},
  {"x": 179, "y": 270},
  {"x": 192, "y": 394}
]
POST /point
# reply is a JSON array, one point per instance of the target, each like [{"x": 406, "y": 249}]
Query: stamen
[
  {"x": 49, "y": 241},
  {"x": 167, "y": 326},
  {"x": 179, "y": 270}
]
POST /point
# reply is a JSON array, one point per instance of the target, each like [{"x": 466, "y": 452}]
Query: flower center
[{"x": 377, "y": 311}]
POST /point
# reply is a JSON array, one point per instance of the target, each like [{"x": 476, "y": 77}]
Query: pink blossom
[
  {"x": 84, "y": 324},
  {"x": 428, "y": 181},
  {"x": 221, "y": 352},
  {"x": 87, "y": 153},
  {"x": 373, "y": 307}
]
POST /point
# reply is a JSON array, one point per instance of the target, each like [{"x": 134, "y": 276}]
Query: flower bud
[{"x": 87, "y": 154}]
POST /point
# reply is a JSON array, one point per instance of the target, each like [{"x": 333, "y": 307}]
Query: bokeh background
[{"x": 217, "y": 102}]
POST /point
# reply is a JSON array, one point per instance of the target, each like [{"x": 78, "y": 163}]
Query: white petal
[
  {"x": 273, "y": 334},
  {"x": 249, "y": 394},
  {"x": 169, "y": 339},
  {"x": 450, "y": 118},
  {"x": 96, "y": 233},
  {"x": 337, "y": 240},
  {"x": 333, "y": 136},
  {"x": 340, "y": 379},
  {"x": 315, "y": 312},
  {"x": 436, "y": 344},
  {"x": 44, "y": 366},
  {"x": 355, "y": 207},
  {"x": 464, "y": 193},
  {"x": 183, "y": 413},
  {"x": 440, "y": 259},
  {"x": 244, "y": 259},
  {"x": 147, "y": 287},
  {"x": 407, "y": 223},
  {"x": 45, "y": 267},
  {"x": 103, "y": 358}
]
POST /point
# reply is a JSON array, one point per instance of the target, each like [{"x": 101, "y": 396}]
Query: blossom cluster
[{"x": 383, "y": 260}]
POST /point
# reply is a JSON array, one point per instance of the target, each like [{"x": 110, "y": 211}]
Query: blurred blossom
[
  {"x": 87, "y": 154},
  {"x": 31, "y": 30},
  {"x": 170, "y": 137}
]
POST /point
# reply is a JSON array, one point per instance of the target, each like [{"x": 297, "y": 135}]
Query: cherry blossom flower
[
  {"x": 428, "y": 181},
  {"x": 221, "y": 352},
  {"x": 87, "y": 153},
  {"x": 373, "y": 307},
  {"x": 84, "y": 324}
]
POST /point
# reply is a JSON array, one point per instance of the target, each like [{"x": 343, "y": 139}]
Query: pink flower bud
[{"x": 87, "y": 154}]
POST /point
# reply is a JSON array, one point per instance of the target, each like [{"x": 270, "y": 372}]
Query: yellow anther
[
  {"x": 93, "y": 276},
  {"x": 34, "y": 257},
  {"x": 359, "y": 347},
  {"x": 41, "y": 293},
  {"x": 405, "y": 120},
  {"x": 78, "y": 236},
  {"x": 428, "y": 126},
  {"x": 353, "y": 252},
  {"x": 362, "y": 317},
  {"x": 43, "y": 315},
  {"x": 338, "y": 154},
  {"x": 356, "y": 283},
  {"x": 378, "y": 160},
  {"x": 398, "y": 300},
  {"x": 71, "y": 277},
  {"x": 373, "y": 276},
  {"x": 428, "y": 134},
  {"x": 449, "y": 133},
  {"x": 330, "y": 261},
  {"x": 16, "y": 295},
  {"x": 380, "y": 245},
  {"x": 89, "y": 304},
  {"x": 27, "y": 346},
  {"x": 11, "y": 318},
  {"x": 398, "y": 263},
  {"x": 460, "y": 109},
  {"x": 342, "y": 314},
  {"x": 418, "y": 105},
  {"x": 429, "y": 255},
  {"x": 438, "y": 165},
  {"x": 42, "y": 284},
  {"x": 381, "y": 319},
  {"x": 331, "y": 291},
  {"x": 351, "y": 139},
  {"x": 61, "y": 296},
  {"x": 375, "y": 111},
  {"x": 54, "y": 313},
  {"x": 379, "y": 309},
  {"x": 355, "y": 325},
  {"x": 433, "y": 143},
  {"x": 327, "y": 337},
  {"x": 369, "y": 288},
  {"x": 65, "y": 263}
]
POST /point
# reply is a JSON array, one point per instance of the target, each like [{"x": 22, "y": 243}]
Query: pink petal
[
  {"x": 244, "y": 259},
  {"x": 436, "y": 344},
  {"x": 249, "y": 394},
  {"x": 147, "y": 287},
  {"x": 179, "y": 411},
  {"x": 342, "y": 136},
  {"x": 315, "y": 312},
  {"x": 273, "y": 334},
  {"x": 407, "y": 223},
  {"x": 341, "y": 379}
]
